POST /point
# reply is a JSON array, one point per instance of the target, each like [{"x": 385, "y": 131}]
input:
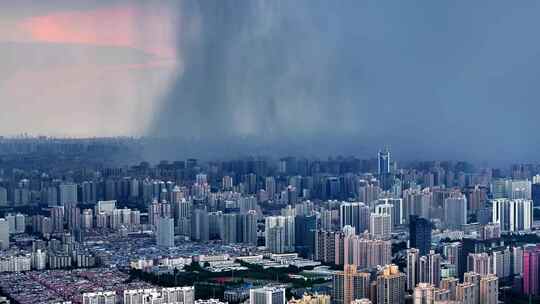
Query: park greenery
[{"x": 213, "y": 284}]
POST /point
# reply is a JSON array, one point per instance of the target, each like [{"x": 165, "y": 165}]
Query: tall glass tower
[{"x": 383, "y": 160}]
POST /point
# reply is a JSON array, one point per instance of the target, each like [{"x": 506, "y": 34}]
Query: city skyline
[{"x": 76, "y": 227}]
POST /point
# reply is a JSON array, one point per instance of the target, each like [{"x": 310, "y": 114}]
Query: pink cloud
[
  {"x": 126, "y": 26},
  {"x": 81, "y": 93}
]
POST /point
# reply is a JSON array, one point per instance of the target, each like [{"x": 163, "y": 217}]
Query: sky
[
  {"x": 431, "y": 79},
  {"x": 84, "y": 68}
]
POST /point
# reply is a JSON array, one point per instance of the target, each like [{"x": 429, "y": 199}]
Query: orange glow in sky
[{"x": 125, "y": 26}]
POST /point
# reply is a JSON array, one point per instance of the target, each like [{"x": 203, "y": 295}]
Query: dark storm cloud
[{"x": 433, "y": 79}]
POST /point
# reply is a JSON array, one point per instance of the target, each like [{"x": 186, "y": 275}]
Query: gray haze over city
[{"x": 433, "y": 80}]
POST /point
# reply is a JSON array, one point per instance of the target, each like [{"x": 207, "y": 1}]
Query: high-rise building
[
  {"x": 57, "y": 216},
  {"x": 247, "y": 203},
  {"x": 165, "y": 232},
  {"x": 420, "y": 234},
  {"x": 100, "y": 297},
  {"x": 326, "y": 220},
  {"x": 10, "y": 218},
  {"x": 173, "y": 295},
  {"x": 368, "y": 192},
  {"x": 200, "y": 225},
  {"x": 383, "y": 162},
  {"x": 362, "y": 301},
  {"x": 39, "y": 259},
  {"x": 349, "y": 284},
  {"x": 182, "y": 209},
  {"x": 105, "y": 206},
  {"x": 465, "y": 293},
  {"x": 476, "y": 198},
  {"x": 501, "y": 262},
  {"x": 305, "y": 208},
  {"x": 397, "y": 209},
  {"x": 201, "y": 179},
  {"x": 170, "y": 295},
  {"x": 434, "y": 268},
  {"x": 87, "y": 219},
  {"x": 68, "y": 193},
  {"x": 227, "y": 183},
  {"x": 490, "y": 231},
  {"x": 365, "y": 253},
  {"x": 157, "y": 210},
  {"x": 474, "y": 279},
  {"x": 249, "y": 225},
  {"x": 356, "y": 215},
  {"x": 89, "y": 192},
  {"x": 3, "y": 197},
  {"x": 450, "y": 284},
  {"x": 416, "y": 202},
  {"x": 531, "y": 267},
  {"x": 209, "y": 301},
  {"x": 517, "y": 260},
  {"x": 52, "y": 196},
  {"x": 110, "y": 189},
  {"x": 479, "y": 263},
  {"x": 425, "y": 293},
  {"x": 279, "y": 233},
  {"x": 512, "y": 215},
  {"x": 413, "y": 256},
  {"x": 72, "y": 215},
  {"x": 267, "y": 295},
  {"x": 520, "y": 189},
  {"x": 391, "y": 286},
  {"x": 451, "y": 252},
  {"x": 489, "y": 289},
  {"x": 305, "y": 227},
  {"x": 423, "y": 269},
  {"x": 511, "y": 189},
  {"x": 135, "y": 218},
  {"x": 4, "y": 234},
  {"x": 384, "y": 207},
  {"x": 325, "y": 246},
  {"x": 441, "y": 295},
  {"x": 339, "y": 252},
  {"x": 270, "y": 187},
  {"x": 21, "y": 195},
  {"x": 380, "y": 226},
  {"x": 455, "y": 210},
  {"x": 229, "y": 233},
  {"x": 535, "y": 193},
  {"x": 176, "y": 195},
  {"x": 20, "y": 223},
  {"x": 215, "y": 223},
  {"x": 312, "y": 299}
]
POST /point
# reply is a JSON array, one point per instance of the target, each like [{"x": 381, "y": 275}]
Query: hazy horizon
[{"x": 437, "y": 80}]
